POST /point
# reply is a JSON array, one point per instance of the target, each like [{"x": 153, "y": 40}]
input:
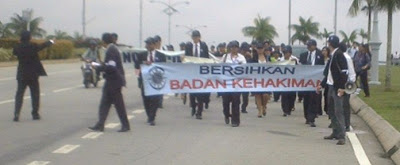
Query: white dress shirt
[
  {"x": 239, "y": 59},
  {"x": 312, "y": 57},
  {"x": 350, "y": 65},
  {"x": 198, "y": 49},
  {"x": 152, "y": 53},
  {"x": 330, "y": 78}
]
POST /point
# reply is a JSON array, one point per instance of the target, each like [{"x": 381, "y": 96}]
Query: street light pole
[
  {"x": 290, "y": 22},
  {"x": 170, "y": 10},
  {"x": 27, "y": 16},
  {"x": 335, "y": 18},
  {"x": 84, "y": 19},
  {"x": 141, "y": 23},
  {"x": 191, "y": 28}
]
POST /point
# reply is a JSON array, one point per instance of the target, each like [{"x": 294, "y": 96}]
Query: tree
[
  {"x": 363, "y": 34},
  {"x": 389, "y": 6},
  {"x": 78, "y": 37},
  {"x": 305, "y": 30},
  {"x": 5, "y": 30},
  {"x": 262, "y": 30},
  {"x": 349, "y": 39},
  {"x": 355, "y": 8},
  {"x": 325, "y": 35},
  {"x": 18, "y": 25},
  {"x": 60, "y": 35}
]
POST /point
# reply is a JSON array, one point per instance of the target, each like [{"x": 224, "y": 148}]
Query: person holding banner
[
  {"x": 197, "y": 48},
  {"x": 335, "y": 79},
  {"x": 288, "y": 99},
  {"x": 312, "y": 100},
  {"x": 262, "y": 98},
  {"x": 157, "y": 43},
  {"x": 232, "y": 99},
  {"x": 151, "y": 103},
  {"x": 245, "y": 51}
]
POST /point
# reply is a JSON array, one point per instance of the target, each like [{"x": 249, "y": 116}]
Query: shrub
[{"x": 6, "y": 55}]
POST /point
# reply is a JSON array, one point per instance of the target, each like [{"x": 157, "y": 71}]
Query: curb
[
  {"x": 387, "y": 135},
  {"x": 15, "y": 63}
]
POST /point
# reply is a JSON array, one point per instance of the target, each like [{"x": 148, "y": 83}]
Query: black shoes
[
  {"x": 152, "y": 123},
  {"x": 16, "y": 119},
  {"x": 206, "y": 105},
  {"x": 347, "y": 129},
  {"x": 36, "y": 117},
  {"x": 226, "y": 120},
  {"x": 124, "y": 129},
  {"x": 244, "y": 111},
  {"x": 284, "y": 115},
  {"x": 199, "y": 117},
  {"x": 312, "y": 124},
  {"x": 264, "y": 113},
  {"x": 235, "y": 125},
  {"x": 330, "y": 137},
  {"x": 307, "y": 122},
  {"x": 341, "y": 142},
  {"x": 193, "y": 111},
  {"x": 259, "y": 116},
  {"x": 97, "y": 128}
]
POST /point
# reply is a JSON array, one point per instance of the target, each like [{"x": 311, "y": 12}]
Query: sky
[{"x": 224, "y": 18}]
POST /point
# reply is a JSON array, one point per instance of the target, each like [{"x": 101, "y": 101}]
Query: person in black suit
[
  {"x": 28, "y": 72},
  {"x": 246, "y": 52},
  {"x": 151, "y": 103},
  {"x": 312, "y": 100},
  {"x": 114, "y": 76},
  {"x": 335, "y": 78},
  {"x": 197, "y": 48}
]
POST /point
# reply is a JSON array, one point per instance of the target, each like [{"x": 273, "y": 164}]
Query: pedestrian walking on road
[
  {"x": 28, "y": 72},
  {"x": 115, "y": 79}
]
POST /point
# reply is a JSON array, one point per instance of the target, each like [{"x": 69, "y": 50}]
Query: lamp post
[
  {"x": 375, "y": 44},
  {"x": 141, "y": 23},
  {"x": 84, "y": 19},
  {"x": 335, "y": 19},
  {"x": 170, "y": 10},
  {"x": 290, "y": 23},
  {"x": 191, "y": 28},
  {"x": 27, "y": 16}
]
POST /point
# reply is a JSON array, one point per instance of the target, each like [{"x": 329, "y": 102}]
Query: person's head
[
  {"x": 234, "y": 47},
  {"x": 92, "y": 44},
  {"x": 150, "y": 44},
  {"x": 282, "y": 47},
  {"x": 25, "y": 36},
  {"x": 311, "y": 45},
  {"x": 366, "y": 48},
  {"x": 355, "y": 44},
  {"x": 326, "y": 52},
  {"x": 343, "y": 47},
  {"x": 170, "y": 48},
  {"x": 268, "y": 51},
  {"x": 212, "y": 48},
  {"x": 157, "y": 40},
  {"x": 107, "y": 38},
  {"x": 222, "y": 48},
  {"x": 287, "y": 52},
  {"x": 260, "y": 48},
  {"x": 196, "y": 36},
  {"x": 276, "y": 54},
  {"x": 267, "y": 44},
  {"x": 245, "y": 47},
  {"x": 333, "y": 42},
  {"x": 114, "y": 37},
  {"x": 254, "y": 44},
  {"x": 182, "y": 45}
]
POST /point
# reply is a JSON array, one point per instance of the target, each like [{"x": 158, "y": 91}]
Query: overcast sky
[{"x": 224, "y": 18}]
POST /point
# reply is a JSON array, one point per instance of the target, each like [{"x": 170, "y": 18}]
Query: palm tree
[
  {"x": 305, "y": 30},
  {"x": 363, "y": 34},
  {"x": 390, "y": 6},
  {"x": 18, "y": 25},
  {"x": 60, "y": 35},
  {"x": 355, "y": 8},
  {"x": 262, "y": 30},
  {"x": 348, "y": 39},
  {"x": 5, "y": 30},
  {"x": 325, "y": 35}
]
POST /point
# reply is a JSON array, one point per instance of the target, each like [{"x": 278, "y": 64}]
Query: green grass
[{"x": 386, "y": 104}]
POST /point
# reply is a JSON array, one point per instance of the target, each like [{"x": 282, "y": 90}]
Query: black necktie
[
  {"x": 196, "y": 52},
  {"x": 309, "y": 58},
  {"x": 151, "y": 56}
]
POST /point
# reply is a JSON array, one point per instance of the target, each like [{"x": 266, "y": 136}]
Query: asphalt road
[{"x": 67, "y": 109}]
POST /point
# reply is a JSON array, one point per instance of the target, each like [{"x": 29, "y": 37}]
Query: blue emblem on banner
[{"x": 157, "y": 79}]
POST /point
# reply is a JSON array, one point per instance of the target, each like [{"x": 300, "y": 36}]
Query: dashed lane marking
[
  {"x": 92, "y": 135},
  {"x": 112, "y": 125},
  {"x": 131, "y": 117},
  {"x": 66, "y": 89},
  {"x": 66, "y": 149},
  {"x": 138, "y": 111},
  {"x": 39, "y": 163}
]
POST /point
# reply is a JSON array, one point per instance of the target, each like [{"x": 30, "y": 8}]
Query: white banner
[{"x": 164, "y": 78}]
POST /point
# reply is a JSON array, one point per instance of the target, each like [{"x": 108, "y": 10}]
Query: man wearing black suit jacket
[
  {"x": 151, "y": 103},
  {"x": 335, "y": 79},
  {"x": 197, "y": 48},
  {"x": 312, "y": 100},
  {"x": 114, "y": 76},
  {"x": 29, "y": 70}
]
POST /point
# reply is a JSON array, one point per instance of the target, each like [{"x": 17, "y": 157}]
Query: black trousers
[
  {"x": 276, "y": 96},
  {"x": 231, "y": 102},
  {"x": 326, "y": 102},
  {"x": 35, "y": 95},
  {"x": 346, "y": 109},
  {"x": 151, "y": 104},
  {"x": 245, "y": 99},
  {"x": 364, "y": 81},
  {"x": 112, "y": 96},
  {"x": 311, "y": 105},
  {"x": 207, "y": 98},
  {"x": 287, "y": 101},
  {"x": 201, "y": 98}
]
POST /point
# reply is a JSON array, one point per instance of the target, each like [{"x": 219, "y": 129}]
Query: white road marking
[
  {"x": 14, "y": 78},
  {"x": 8, "y": 78},
  {"x": 92, "y": 135},
  {"x": 13, "y": 100},
  {"x": 358, "y": 149},
  {"x": 166, "y": 97},
  {"x": 66, "y": 89},
  {"x": 39, "y": 163},
  {"x": 138, "y": 111},
  {"x": 66, "y": 149},
  {"x": 112, "y": 125},
  {"x": 171, "y": 94},
  {"x": 131, "y": 117}
]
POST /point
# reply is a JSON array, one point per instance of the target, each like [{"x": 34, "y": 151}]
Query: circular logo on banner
[{"x": 157, "y": 79}]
